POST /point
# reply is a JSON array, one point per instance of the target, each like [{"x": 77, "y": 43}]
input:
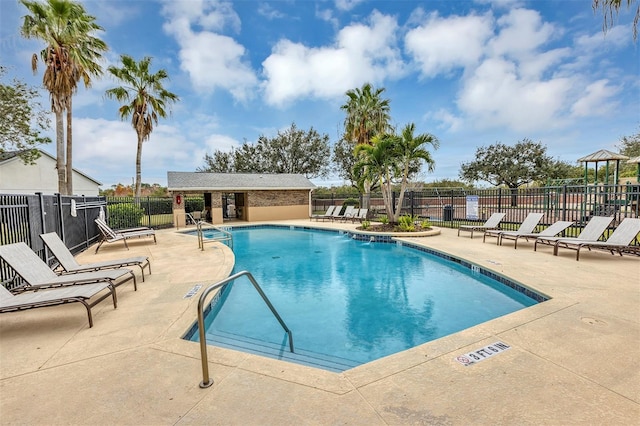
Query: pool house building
[{"x": 250, "y": 197}]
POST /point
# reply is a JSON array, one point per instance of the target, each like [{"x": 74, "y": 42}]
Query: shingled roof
[{"x": 200, "y": 181}]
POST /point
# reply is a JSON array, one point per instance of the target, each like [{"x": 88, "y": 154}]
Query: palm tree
[
  {"x": 71, "y": 54},
  {"x": 611, "y": 7},
  {"x": 376, "y": 163},
  {"x": 367, "y": 116},
  {"x": 409, "y": 150},
  {"x": 144, "y": 99},
  {"x": 391, "y": 157}
]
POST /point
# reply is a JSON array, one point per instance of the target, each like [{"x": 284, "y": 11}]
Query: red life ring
[{"x": 178, "y": 199}]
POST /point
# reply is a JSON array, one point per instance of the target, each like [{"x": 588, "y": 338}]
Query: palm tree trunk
[
  {"x": 138, "y": 167},
  {"x": 69, "y": 151},
  {"x": 366, "y": 200},
  {"x": 60, "y": 163}
]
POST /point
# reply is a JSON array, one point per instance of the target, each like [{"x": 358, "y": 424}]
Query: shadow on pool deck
[{"x": 573, "y": 359}]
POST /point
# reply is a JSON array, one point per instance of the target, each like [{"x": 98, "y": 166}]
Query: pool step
[{"x": 281, "y": 352}]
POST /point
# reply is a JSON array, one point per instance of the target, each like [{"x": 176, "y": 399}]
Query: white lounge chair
[
  {"x": 37, "y": 274},
  {"x": 618, "y": 242},
  {"x": 58, "y": 296},
  {"x": 70, "y": 265},
  {"x": 528, "y": 225},
  {"x": 361, "y": 216},
  {"x": 111, "y": 236},
  {"x": 326, "y": 214},
  {"x": 349, "y": 212},
  {"x": 553, "y": 230},
  {"x": 492, "y": 223},
  {"x": 592, "y": 231}
]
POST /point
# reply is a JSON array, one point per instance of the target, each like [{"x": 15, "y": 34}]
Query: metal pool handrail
[
  {"x": 206, "y": 381},
  {"x": 201, "y": 240}
]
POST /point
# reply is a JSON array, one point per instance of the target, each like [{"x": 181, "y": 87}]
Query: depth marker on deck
[
  {"x": 193, "y": 291},
  {"x": 482, "y": 353}
]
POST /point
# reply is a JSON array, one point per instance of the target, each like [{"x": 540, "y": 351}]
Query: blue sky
[{"x": 473, "y": 73}]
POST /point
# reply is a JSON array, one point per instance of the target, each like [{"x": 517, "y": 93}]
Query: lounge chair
[
  {"x": 348, "y": 214},
  {"x": 111, "y": 236},
  {"x": 361, "y": 216},
  {"x": 527, "y": 226},
  {"x": 58, "y": 296},
  {"x": 592, "y": 231},
  {"x": 37, "y": 274},
  {"x": 553, "y": 230},
  {"x": 492, "y": 223},
  {"x": 336, "y": 213},
  {"x": 69, "y": 264},
  {"x": 326, "y": 214},
  {"x": 618, "y": 242}
]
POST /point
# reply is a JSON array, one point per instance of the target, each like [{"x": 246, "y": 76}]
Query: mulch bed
[{"x": 388, "y": 227}]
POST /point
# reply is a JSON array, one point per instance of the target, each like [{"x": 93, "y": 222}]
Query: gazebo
[{"x": 602, "y": 156}]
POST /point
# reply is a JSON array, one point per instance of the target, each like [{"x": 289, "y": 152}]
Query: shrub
[
  {"x": 366, "y": 224},
  {"x": 405, "y": 223},
  {"x": 124, "y": 215},
  {"x": 384, "y": 219},
  {"x": 425, "y": 223},
  {"x": 193, "y": 204},
  {"x": 351, "y": 202}
]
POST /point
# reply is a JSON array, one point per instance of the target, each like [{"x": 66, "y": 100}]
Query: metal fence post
[{"x": 564, "y": 202}]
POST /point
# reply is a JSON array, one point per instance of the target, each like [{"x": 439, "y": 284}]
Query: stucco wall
[
  {"x": 19, "y": 178},
  {"x": 256, "y": 214}
]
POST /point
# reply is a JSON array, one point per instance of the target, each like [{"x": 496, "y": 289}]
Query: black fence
[
  {"x": 24, "y": 217},
  {"x": 452, "y": 207}
]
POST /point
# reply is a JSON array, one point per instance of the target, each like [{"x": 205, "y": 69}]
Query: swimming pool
[{"x": 347, "y": 301}]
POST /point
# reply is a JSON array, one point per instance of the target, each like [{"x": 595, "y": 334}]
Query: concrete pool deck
[{"x": 572, "y": 359}]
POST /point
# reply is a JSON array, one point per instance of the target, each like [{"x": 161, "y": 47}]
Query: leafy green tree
[
  {"x": 512, "y": 166},
  {"x": 447, "y": 183},
  {"x": 21, "y": 120},
  {"x": 611, "y": 8},
  {"x": 367, "y": 115},
  {"x": 71, "y": 54},
  {"x": 344, "y": 160},
  {"x": 291, "y": 151},
  {"x": 144, "y": 99},
  {"x": 393, "y": 158},
  {"x": 629, "y": 146}
]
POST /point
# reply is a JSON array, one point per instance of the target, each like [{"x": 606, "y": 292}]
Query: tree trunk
[
  {"x": 69, "y": 151},
  {"x": 398, "y": 207},
  {"x": 136, "y": 192},
  {"x": 60, "y": 154},
  {"x": 366, "y": 199}
]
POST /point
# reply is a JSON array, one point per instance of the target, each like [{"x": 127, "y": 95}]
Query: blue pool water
[{"x": 347, "y": 302}]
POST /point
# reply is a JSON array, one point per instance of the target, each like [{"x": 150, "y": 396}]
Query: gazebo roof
[
  {"x": 602, "y": 155},
  {"x": 634, "y": 160}
]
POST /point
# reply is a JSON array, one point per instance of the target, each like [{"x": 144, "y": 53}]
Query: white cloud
[
  {"x": 346, "y": 5},
  {"x": 442, "y": 44},
  {"x": 449, "y": 120},
  {"x": 212, "y": 61},
  {"x": 521, "y": 33},
  {"x": 266, "y": 10},
  {"x": 208, "y": 15},
  {"x": 361, "y": 53},
  {"x": 494, "y": 95},
  {"x": 596, "y": 100},
  {"x": 104, "y": 148}
]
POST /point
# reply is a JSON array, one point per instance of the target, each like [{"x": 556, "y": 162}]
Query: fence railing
[
  {"x": 452, "y": 207},
  {"x": 24, "y": 217}
]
